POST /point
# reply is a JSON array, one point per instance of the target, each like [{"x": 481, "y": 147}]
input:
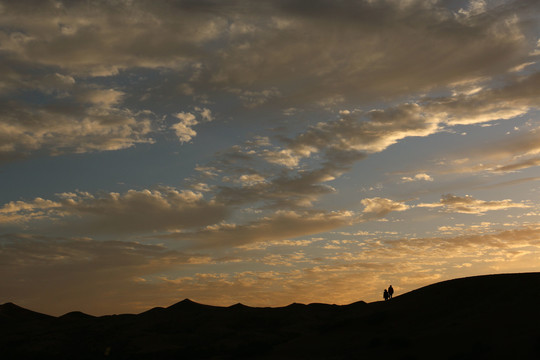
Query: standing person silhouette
[
  {"x": 385, "y": 295},
  {"x": 390, "y": 291}
]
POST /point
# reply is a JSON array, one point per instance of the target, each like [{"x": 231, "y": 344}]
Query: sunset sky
[{"x": 263, "y": 152}]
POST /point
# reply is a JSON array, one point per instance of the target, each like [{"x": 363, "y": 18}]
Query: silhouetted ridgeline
[{"x": 483, "y": 317}]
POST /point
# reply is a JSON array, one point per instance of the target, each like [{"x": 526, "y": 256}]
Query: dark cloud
[
  {"x": 360, "y": 50},
  {"x": 365, "y": 50}
]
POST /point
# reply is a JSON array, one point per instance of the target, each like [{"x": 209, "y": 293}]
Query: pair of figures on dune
[{"x": 388, "y": 293}]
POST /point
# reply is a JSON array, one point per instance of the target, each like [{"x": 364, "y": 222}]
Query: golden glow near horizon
[{"x": 263, "y": 152}]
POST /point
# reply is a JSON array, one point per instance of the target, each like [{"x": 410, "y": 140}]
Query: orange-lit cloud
[
  {"x": 378, "y": 207},
  {"x": 469, "y": 205},
  {"x": 128, "y": 276}
]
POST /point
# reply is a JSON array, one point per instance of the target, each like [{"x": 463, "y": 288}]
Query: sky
[{"x": 263, "y": 152}]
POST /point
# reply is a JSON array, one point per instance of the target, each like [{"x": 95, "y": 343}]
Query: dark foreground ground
[{"x": 484, "y": 317}]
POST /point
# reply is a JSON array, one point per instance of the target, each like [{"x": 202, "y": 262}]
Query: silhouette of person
[
  {"x": 390, "y": 291},
  {"x": 385, "y": 295}
]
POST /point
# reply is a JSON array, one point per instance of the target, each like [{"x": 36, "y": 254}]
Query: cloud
[
  {"x": 71, "y": 38},
  {"x": 520, "y": 67},
  {"x": 513, "y": 99},
  {"x": 21, "y": 211},
  {"x": 253, "y": 47},
  {"x": 506, "y": 154},
  {"x": 469, "y": 205},
  {"x": 283, "y": 224},
  {"x": 379, "y": 207},
  {"x": 245, "y": 179},
  {"x": 133, "y": 212},
  {"x": 206, "y": 114},
  {"x": 62, "y": 126},
  {"x": 250, "y": 61},
  {"x": 252, "y": 99},
  {"x": 59, "y": 274},
  {"x": 315, "y": 157},
  {"x": 475, "y": 7},
  {"x": 283, "y": 157},
  {"x": 280, "y": 226},
  {"x": 104, "y": 97},
  {"x": 371, "y": 132},
  {"x": 509, "y": 183},
  {"x": 348, "y": 58},
  {"x": 288, "y": 188},
  {"x": 417, "y": 177},
  {"x": 353, "y": 274},
  {"x": 214, "y": 50},
  {"x": 471, "y": 245},
  {"x": 181, "y": 215},
  {"x": 523, "y": 164},
  {"x": 184, "y": 128},
  {"x": 56, "y": 275},
  {"x": 337, "y": 144}
]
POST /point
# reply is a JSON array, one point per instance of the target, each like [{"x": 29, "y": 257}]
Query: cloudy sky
[{"x": 263, "y": 152}]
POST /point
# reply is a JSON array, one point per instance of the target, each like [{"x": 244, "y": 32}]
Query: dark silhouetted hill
[
  {"x": 483, "y": 317},
  {"x": 10, "y": 313}
]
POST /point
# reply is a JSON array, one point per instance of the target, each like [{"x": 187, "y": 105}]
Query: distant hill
[{"x": 482, "y": 317}]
